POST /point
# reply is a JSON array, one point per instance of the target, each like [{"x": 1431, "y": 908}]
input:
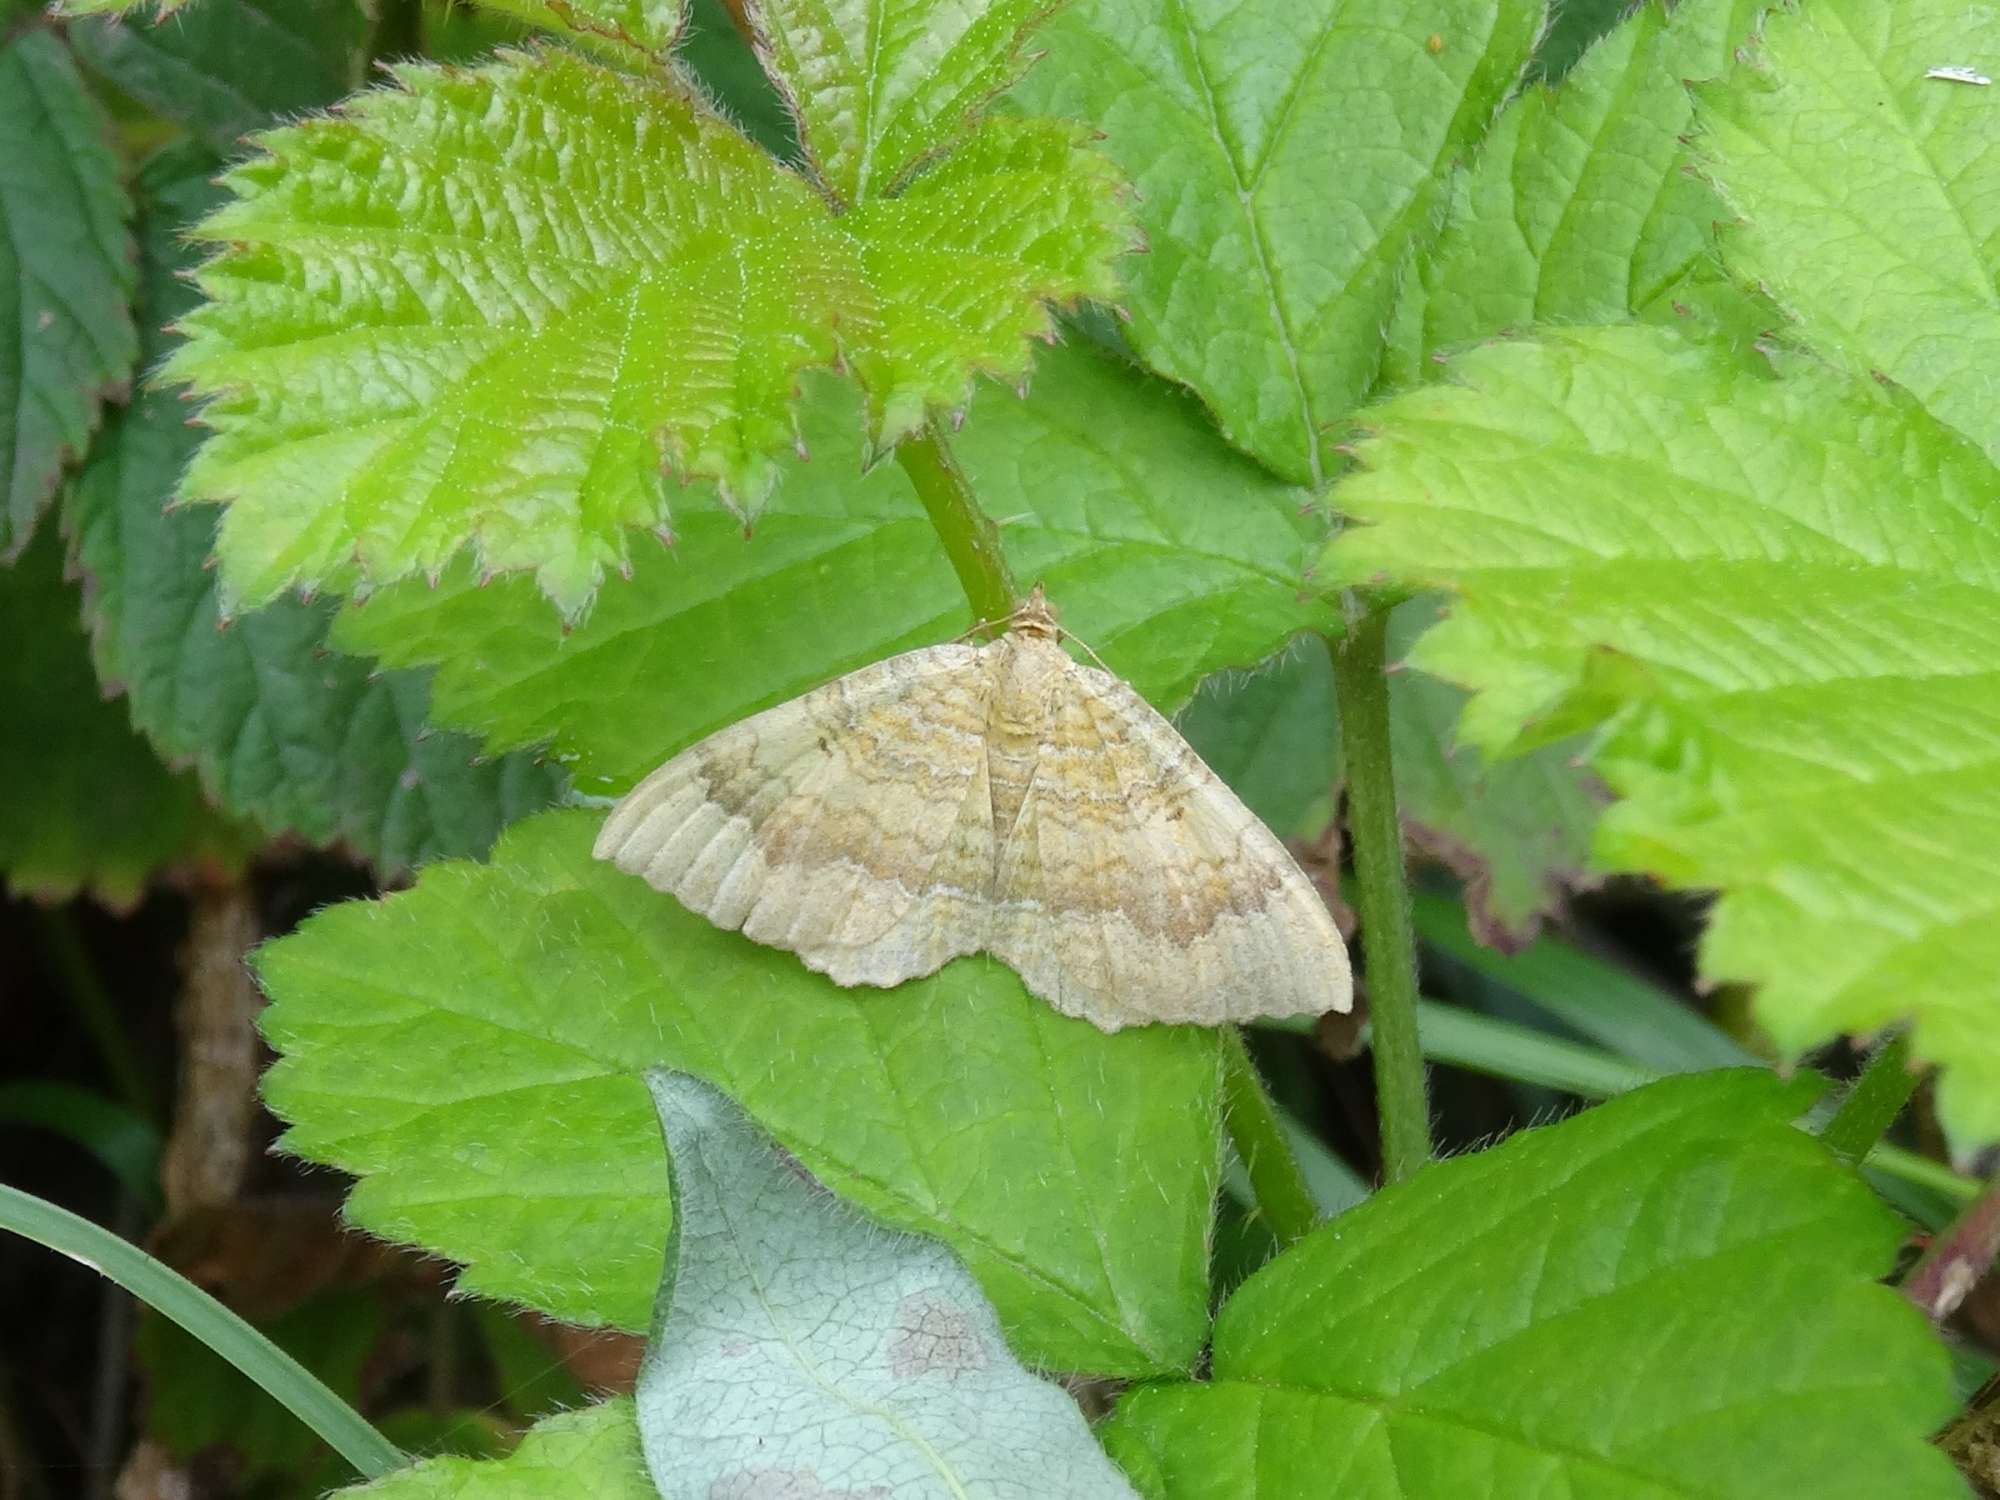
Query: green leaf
[
  {"x": 796, "y": 1341},
  {"x": 488, "y": 308},
  {"x": 1672, "y": 1295},
  {"x": 1515, "y": 830},
  {"x": 627, "y": 33},
  {"x": 1170, "y": 555},
  {"x": 473, "y": 1051},
  {"x": 1289, "y": 158},
  {"x": 591, "y": 1454},
  {"x": 89, "y": 807},
  {"x": 280, "y": 730},
  {"x": 228, "y": 67},
  {"x": 1579, "y": 208},
  {"x": 66, "y": 335},
  {"x": 1870, "y": 194},
  {"x": 1778, "y": 599},
  {"x": 880, "y": 86}
]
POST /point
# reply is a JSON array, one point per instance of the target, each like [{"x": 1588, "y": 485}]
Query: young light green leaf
[
  {"x": 1780, "y": 599},
  {"x": 473, "y": 1051},
  {"x": 799, "y": 1350},
  {"x": 228, "y": 67},
  {"x": 489, "y": 307},
  {"x": 66, "y": 335},
  {"x": 90, "y": 808},
  {"x": 591, "y": 1454},
  {"x": 1673, "y": 1294},
  {"x": 879, "y": 86},
  {"x": 280, "y": 730},
  {"x": 1170, "y": 555},
  {"x": 1870, "y": 192},
  {"x": 1289, "y": 156},
  {"x": 1579, "y": 208}
]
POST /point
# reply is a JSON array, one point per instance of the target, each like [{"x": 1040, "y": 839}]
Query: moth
[{"x": 1000, "y": 798}]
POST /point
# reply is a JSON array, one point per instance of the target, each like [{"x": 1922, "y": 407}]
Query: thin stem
[
  {"x": 1283, "y": 1196},
  {"x": 160, "y": 1287},
  {"x": 970, "y": 538},
  {"x": 1873, "y": 1101},
  {"x": 1960, "y": 1257},
  {"x": 1387, "y": 942}
]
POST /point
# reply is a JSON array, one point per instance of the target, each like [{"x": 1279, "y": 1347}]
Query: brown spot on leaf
[{"x": 934, "y": 1337}]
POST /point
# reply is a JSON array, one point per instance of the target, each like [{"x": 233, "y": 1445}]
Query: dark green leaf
[{"x": 66, "y": 335}]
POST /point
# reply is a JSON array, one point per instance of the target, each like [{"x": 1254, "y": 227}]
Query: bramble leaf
[
  {"x": 1579, "y": 207},
  {"x": 879, "y": 86},
  {"x": 634, "y": 33},
  {"x": 798, "y": 1349},
  {"x": 281, "y": 730},
  {"x": 66, "y": 335},
  {"x": 1779, "y": 601},
  {"x": 1870, "y": 193},
  {"x": 1672, "y": 1294},
  {"x": 1171, "y": 556},
  {"x": 89, "y": 807},
  {"x": 473, "y": 1050},
  {"x": 1289, "y": 158},
  {"x": 592, "y": 1454},
  {"x": 490, "y": 307},
  {"x": 224, "y": 68}
]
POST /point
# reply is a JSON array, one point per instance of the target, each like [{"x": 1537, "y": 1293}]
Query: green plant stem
[
  {"x": 1873, "y": 1101},
  {"x": 970, "y": 538},
  {"x": 164, "y": 1289},
  {"x": 94, "y": 1008},
  {"x": 1387, "y": 942},
  {"x": 1283, "y": 1196}
]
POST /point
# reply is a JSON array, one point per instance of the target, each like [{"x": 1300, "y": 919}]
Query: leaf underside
[{"x": 800, "y": 1349}]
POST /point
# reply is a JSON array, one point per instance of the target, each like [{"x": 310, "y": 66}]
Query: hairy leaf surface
[
  {"x": 1171, "y": 555},
  {"x": 280, "y": 729},
  {"x": 491, "y": 307},
  {"x": 1780, "y": 600},
  {"x": 1671, "y": 1295},
  {"x": 66, "y": 335},
  {"x": 1289, "y": 157},
  {"x": 1870, "y": 193},
  {"x": 473, "y": 1051},
  {"x": 798, "y": 1349}
]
